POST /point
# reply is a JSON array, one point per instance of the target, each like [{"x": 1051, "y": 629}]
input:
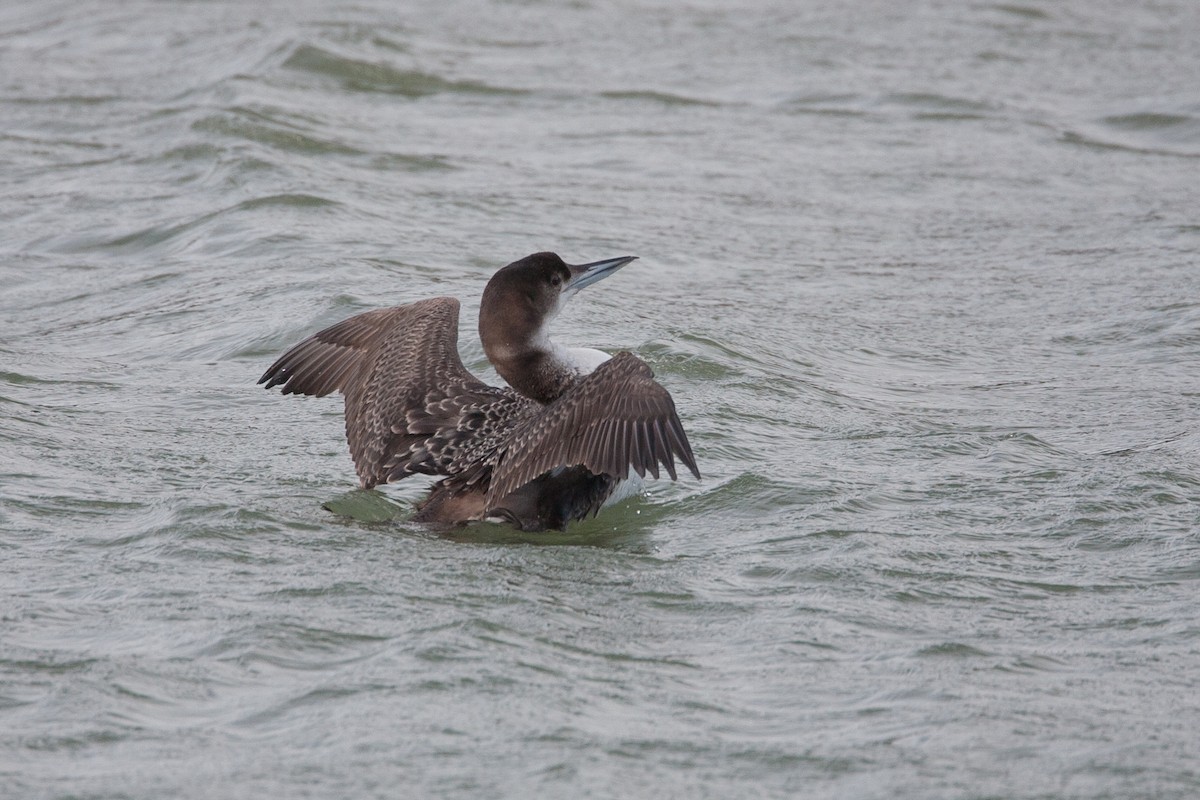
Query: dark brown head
[{"x": 520, "y": 301}]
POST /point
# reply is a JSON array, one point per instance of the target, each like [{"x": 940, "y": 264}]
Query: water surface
[{"x": 923, "y": 280}]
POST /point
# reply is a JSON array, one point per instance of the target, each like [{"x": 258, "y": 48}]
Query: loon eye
[{"x": 556, "y": 280}]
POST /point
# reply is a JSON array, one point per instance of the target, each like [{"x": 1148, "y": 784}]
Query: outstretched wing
[
  {"x": 387, "y": 363},
  {"x": 616, "y": 418}
]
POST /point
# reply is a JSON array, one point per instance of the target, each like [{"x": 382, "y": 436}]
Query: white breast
[
  {"x": 581, "y": 359},
  {"x": 625, "y": 489}
]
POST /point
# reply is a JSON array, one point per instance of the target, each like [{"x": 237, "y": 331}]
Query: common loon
[{"x": 549, "y": 450}]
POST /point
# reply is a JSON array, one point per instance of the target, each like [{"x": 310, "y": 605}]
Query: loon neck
[
  {"x": 543, "y": 370},
  {"x": 535, "y": 373},
  {"x": 514, "y": 323}
]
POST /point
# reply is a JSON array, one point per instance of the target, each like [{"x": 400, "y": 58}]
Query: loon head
[{"x": 517, "y": 306}]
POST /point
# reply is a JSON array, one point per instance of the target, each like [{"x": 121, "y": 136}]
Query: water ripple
[
  {"x": 920, "y": 280},
  {"x": 362, "y": 76}
]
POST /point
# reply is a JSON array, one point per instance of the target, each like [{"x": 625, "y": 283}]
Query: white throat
[{"x": 580, "y": 360}]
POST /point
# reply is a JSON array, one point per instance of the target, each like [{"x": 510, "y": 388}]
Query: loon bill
[{"x": 549, "y": 450}]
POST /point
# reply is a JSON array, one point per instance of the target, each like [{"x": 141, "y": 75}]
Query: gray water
[{"x": 922, "y": 277}]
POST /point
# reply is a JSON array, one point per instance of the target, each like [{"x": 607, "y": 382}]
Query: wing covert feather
[{"x": 386, "y": 362}]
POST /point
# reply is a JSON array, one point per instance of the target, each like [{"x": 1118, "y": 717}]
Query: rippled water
[{"x": 923, "y": 278}]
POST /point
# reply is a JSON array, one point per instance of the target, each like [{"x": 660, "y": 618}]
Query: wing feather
[
  {"x": 660, "y": 442},
  {"x": 388, "y": 363},
  {"x": 609, "y": 422}
]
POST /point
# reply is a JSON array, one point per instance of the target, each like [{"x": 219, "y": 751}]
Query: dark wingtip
[
  {"x": 274, "y": 375},
  {"x": 669, "y": 463},
  {"x": 682, "y": 447}
]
